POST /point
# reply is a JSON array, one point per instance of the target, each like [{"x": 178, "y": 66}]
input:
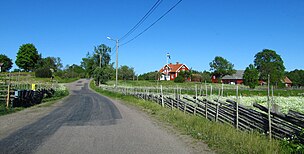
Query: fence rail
[{"x": 230, "y": 112}]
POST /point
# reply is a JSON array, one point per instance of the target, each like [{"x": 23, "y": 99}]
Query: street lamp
[{"x": 117, "y": 41}]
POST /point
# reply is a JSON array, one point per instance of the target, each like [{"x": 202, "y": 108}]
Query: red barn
[
  {"x": 236, "y": 78},
  {"x": 170, "y": 71}
]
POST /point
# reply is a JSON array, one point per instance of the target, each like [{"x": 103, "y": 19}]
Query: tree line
[
  {"x": 266, "y": 62},
  {"x": 97, "y": 64}
]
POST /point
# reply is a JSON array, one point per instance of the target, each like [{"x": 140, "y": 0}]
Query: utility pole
[
  {"x": 117, "y": 46},
  {"x": 116, "y": 63},
  {"x": 100, "y": 60}
]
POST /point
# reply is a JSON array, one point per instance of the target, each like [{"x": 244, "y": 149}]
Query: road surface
[{"x": 87, "y": 122}]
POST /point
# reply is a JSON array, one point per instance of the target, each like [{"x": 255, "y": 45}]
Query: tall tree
[
  {"x": 126, "y": 72},
  {"x": 27, "y": 57},
  {"x": 268, "y": 62},
  {"x": 7, "y": 63},
  {"x": 50, "y": 62},
  {"x": 102, "y": 54},
  {"x": 251, "y": 76},
  {"x": 103, "y": 74},
  {"x": 221, "y": 67},
  {"x": 91, "y": 61}
]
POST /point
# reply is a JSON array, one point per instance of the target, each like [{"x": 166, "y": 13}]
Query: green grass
[
  {"x": 66, "y": 80},
  {"x": 220, "y": 137},
  {"x": 4, "y": 110}
]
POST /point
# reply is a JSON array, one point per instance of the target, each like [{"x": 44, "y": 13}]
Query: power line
[
  {"x": 152, "y": 23},
  {"x": 142, "y": 19}
]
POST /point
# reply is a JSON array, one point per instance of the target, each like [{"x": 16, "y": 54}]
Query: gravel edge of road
[
  {"x": 196, "y": 145},
  {"x": 14, "y": 121}
]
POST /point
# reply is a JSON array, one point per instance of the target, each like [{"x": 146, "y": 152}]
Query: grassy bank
[
  {"x": 220, "y": 137},
  {"x": 45, "y": 102}
]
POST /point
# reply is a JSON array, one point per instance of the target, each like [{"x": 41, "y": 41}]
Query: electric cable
[
  {"x": 152, "y": 23},
  {"x": 142, "y": 19}
]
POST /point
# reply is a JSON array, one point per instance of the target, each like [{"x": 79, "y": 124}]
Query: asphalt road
[{"x": 87, "y": 122}]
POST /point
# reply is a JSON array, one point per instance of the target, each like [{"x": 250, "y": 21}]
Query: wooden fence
[{"x": 281, "y": 126}]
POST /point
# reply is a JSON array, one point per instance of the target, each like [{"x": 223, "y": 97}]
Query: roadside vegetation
[
  {"x": 219, "y": 137},
  {"x": 59, "y": 94}
]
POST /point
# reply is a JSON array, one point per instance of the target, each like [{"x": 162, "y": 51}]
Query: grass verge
[
  {"x": 220, "y": 137},
  {"x": 45, "y": 102}
]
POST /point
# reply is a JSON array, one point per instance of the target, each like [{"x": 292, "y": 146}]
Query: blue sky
[{"x": 193, "y": 33}]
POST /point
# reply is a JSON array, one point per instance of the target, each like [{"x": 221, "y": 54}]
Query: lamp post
[{"x": 117, "y": 41}]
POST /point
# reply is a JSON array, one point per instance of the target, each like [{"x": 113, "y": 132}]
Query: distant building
[
  {"x": 236, "y": 78},
  {"x": 170, "y": 71},
  {"x": 287, "y": 82}
]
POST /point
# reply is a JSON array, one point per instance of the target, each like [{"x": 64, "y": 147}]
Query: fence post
[
  {"x": 206, "y": 88},
  {"x": 162, "y": 96},
  {"x": 268, "y": 103},
  {"x": 206, "y": 109},
  {"x": 8, "y": 95},
  {"x": 217, "y": 112},
  {"x": 237, "y": 107},
  {"x": 185, "y": 107},
  {"x": 195, "y": 105},
  {"x": 222, "y": 89},
  {"x": 211, "y": 90}
]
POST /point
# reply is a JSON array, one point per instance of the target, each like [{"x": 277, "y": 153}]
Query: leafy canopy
[
  {"x": 27, "y": 57},
  {"x": 268, "y": 62},
  {"x": 251, "y": 76},
  {"x": 7, "y": 63},
  {"x": 221, "y": 67},
  {"x": 126, "y": 72},
  {"x": 99, "y": 58}
]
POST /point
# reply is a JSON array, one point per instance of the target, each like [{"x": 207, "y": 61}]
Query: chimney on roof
[{"x": 177, "y": 62}]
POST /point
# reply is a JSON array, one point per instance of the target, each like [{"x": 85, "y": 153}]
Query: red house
[{"x": 170, "y": 71}]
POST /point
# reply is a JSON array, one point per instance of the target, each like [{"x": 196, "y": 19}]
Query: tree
[
  {"x": 103, "y": 74},
  {"x": 43, "y": 72},
  {"x": 183, "y": 76},
  {"x": 103, "y": 51},
  {"x": 221, "y": 67},
  {"x": 7, "y": 63},
  {"x": 126, "y": 72},
  {"x": 268, "y": 62},
  {"x": 206, "y": 76},
  {"x": 91, "y": 61},
  {"x": 27, "y": 57},
  {"x": 296, "y": 76},
  {"x": 251, "y": 76},
  {"x": 150, "y": 76}
]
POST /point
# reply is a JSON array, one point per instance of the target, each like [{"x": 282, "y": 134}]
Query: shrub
[
  {"x": 179, "y": 79},
  {"x": 43, "y": 73}
]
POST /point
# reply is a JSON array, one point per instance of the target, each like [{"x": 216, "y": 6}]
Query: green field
[{"x": 228, "y": 90}]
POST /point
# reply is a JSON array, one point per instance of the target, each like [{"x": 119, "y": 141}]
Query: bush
[
  {"x": 179, "y": 79},
  {"x": 43, "y": 73}
]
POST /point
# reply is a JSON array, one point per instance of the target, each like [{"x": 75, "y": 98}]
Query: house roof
[
  {"x": 287, "y": 80},
  {"x": 173, "y": 67},
  {"x": 238, "y": 75}
]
